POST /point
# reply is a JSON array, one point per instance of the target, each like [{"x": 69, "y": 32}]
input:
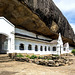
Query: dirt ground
[{"x": 24, "y": 68}]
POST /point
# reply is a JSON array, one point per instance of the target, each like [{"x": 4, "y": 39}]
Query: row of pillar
[{"x": 33, "y": 47}]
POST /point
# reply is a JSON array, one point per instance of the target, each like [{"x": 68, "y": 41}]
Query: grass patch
[
  {"x": 19, "y": 55},
  {"x": 27, "y": 56},
  {"x": 33, "y": 57},
  {"x": 40, "y": 57}
]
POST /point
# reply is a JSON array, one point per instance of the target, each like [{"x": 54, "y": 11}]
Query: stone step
[
  {"x": 1, "y": 61},
  {"x": 4, "y": 58}
]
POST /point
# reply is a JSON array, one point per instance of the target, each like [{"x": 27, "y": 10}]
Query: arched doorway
[
  {"x": 3, "y": 44},
  {"x": 7, "y": 38}
]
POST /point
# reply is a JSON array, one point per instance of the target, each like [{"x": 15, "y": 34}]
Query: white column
[
  {"x": 51, "y": 49},
  {"x": 43, "y": 50},
  {"x": 47, "y": 48},
  {"x": 12, "y": 37},
  {"x": 12, "y": 45},
  {"x": 38, "y": 47},
  {"x": 33, "y": 47},
  {"x": 58, "y": 50},
  {"x": 26, "y": 46},
  {"x": 38, "y": 52},
  {"x": 61, "y": 49}
]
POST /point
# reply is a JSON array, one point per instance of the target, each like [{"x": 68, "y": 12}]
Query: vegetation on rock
[
  {"x": 19, "y": 55},
  {"x": 45, "y": 60},
  {"x": 33, "y": 57},
  {"x": 73, "y": 51}
]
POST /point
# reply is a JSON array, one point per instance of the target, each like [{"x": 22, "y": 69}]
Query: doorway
[{"x": 3, "y": 44}]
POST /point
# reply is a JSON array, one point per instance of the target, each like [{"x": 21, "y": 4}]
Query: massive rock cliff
[
  {"x": 39, "y": 16},
  {"x": 48, "y": 12}
]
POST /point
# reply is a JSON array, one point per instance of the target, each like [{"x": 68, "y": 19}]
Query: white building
[{"x": 15, "y": 40}]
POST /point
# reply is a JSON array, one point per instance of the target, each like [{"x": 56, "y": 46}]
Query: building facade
[{"x": 15, "y": 40}]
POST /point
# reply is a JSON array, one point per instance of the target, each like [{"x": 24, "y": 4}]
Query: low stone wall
[
  {"x": 67, "y": 54},
  {"x": 52, "y": 61}
]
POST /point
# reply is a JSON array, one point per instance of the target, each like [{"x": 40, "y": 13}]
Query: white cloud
[
  {"x": 73, "y": 26},
  {"x": 65, "y": 5}
]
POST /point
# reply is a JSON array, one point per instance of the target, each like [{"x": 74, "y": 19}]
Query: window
[
  {"x": 54, "y": 48},
  {"x": 41, "y": 48},
  {"x": 21, "y": 47},
  {"x": 45, "y": 48},
  {"x": 48, "y": 48},
  {"x": 29, "y": 47},
  {"x": 36, "y": 48}
]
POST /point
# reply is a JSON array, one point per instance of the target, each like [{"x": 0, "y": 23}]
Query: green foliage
[
  {"x": 73, "y": 51},
  {"x": 19, "y": 55},
  {"x": 33, "y": 57},
  {"x": 27, "y": 56},
  {"x": 49, "y": 59},
  {"x": 40, "y": 57}
]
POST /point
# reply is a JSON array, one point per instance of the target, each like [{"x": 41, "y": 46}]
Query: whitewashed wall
[
  {"x": 60, "y": 45},
  {"x": 67, "y": 50},
  {"x": 26, "y": 42},
  {"x": 39, "y": 43},
  {"x": 7, "y": 29}
]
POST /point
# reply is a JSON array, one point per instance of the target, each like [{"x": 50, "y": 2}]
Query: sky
[{"x": 67, "y": 7}]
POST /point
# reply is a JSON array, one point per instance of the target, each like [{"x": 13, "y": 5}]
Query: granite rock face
[
  {"x": 48, "y": 12},
  {"x": 22, "y": 17},
  {"x": 39, "y": 17}
]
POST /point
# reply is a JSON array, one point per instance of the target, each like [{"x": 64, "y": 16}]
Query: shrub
[
  {"x": 33, "y": 57},
  {"x": 73, "y": 51},
  {"x": 49, "y": 59},
  {"x": 19, "y": 55},
  {"x": 40, "y": 57},
  {"x": 27, "y": 56}
]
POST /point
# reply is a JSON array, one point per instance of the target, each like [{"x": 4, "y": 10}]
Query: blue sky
[{"x": 67, "y": 7}]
